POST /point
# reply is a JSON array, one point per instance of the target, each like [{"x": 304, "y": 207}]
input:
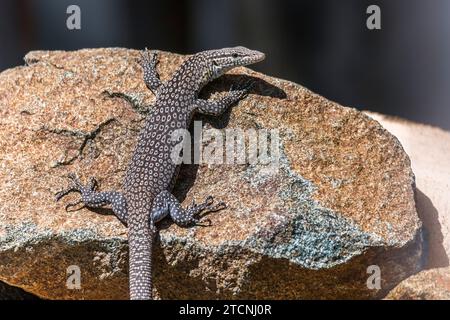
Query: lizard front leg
[
  {"x": 94, "y": 199},
  {"x": 216, "y": 108},
  {"x": 151, "y": 76},
  {"x": 166, "y": 204}
]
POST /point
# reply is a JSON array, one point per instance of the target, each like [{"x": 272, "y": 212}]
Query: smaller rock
[{"x": 433, "y": 284}]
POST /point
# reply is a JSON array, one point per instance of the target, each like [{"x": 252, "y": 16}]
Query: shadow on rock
[{"x": 434, "y": 252}]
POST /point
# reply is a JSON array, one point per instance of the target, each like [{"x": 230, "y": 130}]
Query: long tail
[{"x": 140, "y": 241}]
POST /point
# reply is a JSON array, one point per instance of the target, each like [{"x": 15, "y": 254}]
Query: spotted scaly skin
[{"x": 146, "y": 197}]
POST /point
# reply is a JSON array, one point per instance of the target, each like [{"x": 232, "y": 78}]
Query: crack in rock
[{"x": 86, "y": 136}]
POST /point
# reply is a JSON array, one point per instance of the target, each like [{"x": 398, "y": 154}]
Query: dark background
[{"x": 402, "y": 69}]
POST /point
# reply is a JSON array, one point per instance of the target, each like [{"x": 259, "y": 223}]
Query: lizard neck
[{"x": 189, "y": 79}]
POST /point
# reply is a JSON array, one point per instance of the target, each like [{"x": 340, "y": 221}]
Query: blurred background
[{"x": 402, "y": 69}]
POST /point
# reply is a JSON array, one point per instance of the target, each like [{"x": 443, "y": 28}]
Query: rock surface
[
  {"x": 428, "y": 147},
  {"x": 341, "y": 200},
  {"x": 431, "y": 284}
]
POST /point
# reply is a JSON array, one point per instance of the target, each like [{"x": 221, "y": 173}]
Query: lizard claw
[
  {"x": 73, "y": 204},
  {"x": 208, "y": 207},
  {"x": 143, "y": 56},
  {"x": 76, "y": 186},
  {"x": 76, "y": 183},
  {"x": 148, "y": 59},
  {"x": 59, "y": 195},
  {"x": 220, "y": 206},
  {"x": 209, "y": 200},
  {"x": 93, "y": 184},
  {"x": 200, "y": 224}
]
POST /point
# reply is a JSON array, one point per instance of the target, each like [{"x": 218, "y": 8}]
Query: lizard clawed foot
[
  {"x": 73, "y": 204},
  {"x": 148, "y": 58},
  {"x": 205, "y": 207},
  {"x": 200, "y": 224},
  {"x": 76, "y": 186}
]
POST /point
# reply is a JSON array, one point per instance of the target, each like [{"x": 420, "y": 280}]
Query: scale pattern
[{"x": 146, "y": 197}]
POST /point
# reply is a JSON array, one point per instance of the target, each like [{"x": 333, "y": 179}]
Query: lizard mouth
[
  {"x": 254, "y": 57},
  {"x": 259, "y": 56}
]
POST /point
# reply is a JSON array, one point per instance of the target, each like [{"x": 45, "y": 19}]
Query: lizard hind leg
[
  {"x": 165, "y": 204},
  {"x": 95, "y": 199}
]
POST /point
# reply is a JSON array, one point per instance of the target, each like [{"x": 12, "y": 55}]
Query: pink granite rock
[{"x": 341, "y": 201}]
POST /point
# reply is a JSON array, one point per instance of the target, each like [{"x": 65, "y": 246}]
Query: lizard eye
[{"x": 235, "y": 55}]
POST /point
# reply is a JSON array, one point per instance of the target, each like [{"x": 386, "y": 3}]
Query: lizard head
[{"x": 221, "y": 60}]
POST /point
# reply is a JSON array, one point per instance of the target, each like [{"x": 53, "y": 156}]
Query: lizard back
[{"x": 152, "y": 169}]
